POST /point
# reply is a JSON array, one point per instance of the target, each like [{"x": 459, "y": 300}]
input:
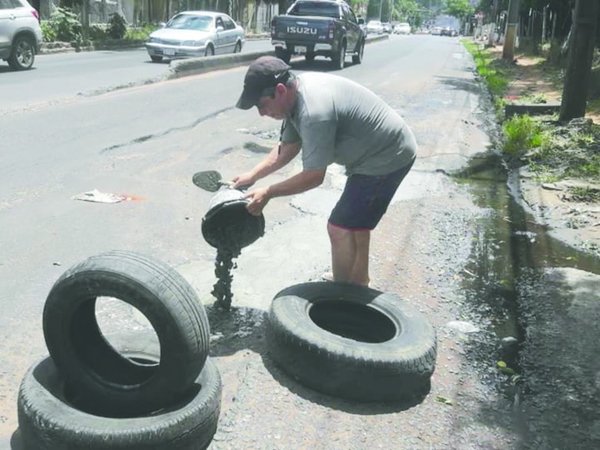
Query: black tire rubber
[
  {"x": 48, "y": 421},
  {"x": 116, "y": 384},
  {"x": 22, "y": 54},
  {"x": 283, "y": 54},
  {"x": 156, "y": 58},
  {"x": 392, "y": 360},
  {"x": 357, "y": 59},
  {"x": 339, "y": 60},
  {"x": 210, "y": 51}
]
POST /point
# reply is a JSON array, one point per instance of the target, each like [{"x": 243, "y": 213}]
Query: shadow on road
[
  {"x": 461, "y": 84},
  {"x": 318, "y": 65},
  {"x": 245, "y": 329},
  {"x": 349, "y": 406}
]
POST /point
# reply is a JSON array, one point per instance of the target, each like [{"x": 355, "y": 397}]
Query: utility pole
[
  {"x": 579, "y": 62},
  {"x": 512, "y": 24}
]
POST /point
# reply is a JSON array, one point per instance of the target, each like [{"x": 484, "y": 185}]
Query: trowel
[{"x": 209, "y": 180}]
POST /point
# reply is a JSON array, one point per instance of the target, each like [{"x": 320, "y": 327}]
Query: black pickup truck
[{"x": 318, "y": 28}]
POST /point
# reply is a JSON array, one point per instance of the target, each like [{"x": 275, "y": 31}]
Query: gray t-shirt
[{"x": 338, "y": 120}]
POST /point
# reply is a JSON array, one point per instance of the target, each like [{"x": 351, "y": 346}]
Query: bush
[
  {"x": 522, "y": 133},
  {"x": 140, "y": 33},
  {"x": 97, "y": 33},
  {"x": 48, "y": 31},
  {"x": 117, "y": 26},
  {"x": 64, "y": 26}
]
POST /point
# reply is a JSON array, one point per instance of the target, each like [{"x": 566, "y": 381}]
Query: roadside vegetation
[
  {"x": 553, "y": 151},
  {"x": 64, "y": 25}
]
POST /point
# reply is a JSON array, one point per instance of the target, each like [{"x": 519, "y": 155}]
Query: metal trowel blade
[{"x": 209, "y": 180}]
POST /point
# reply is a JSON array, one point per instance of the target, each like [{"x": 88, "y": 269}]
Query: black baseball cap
[{"x": 265, "y": 72}]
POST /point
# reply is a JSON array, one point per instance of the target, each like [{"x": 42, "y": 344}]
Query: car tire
[
  {"x": 210, "y": 51},
  {"x": 339, "y": 60},
  {"x": 156, "y": 58},
  {"x": 22, "y": 54},
  {"x": 118, "y": 385},
  {"x": 351, "y": 341},
  {"x": 238, "y": 47},
  {"x": 48, "y": 419},
  {"x": 283, "y": 54},
  {"x": 357, "y": 59}
]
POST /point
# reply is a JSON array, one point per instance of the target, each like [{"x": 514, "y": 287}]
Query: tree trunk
[
  {"x": 512, "y": 24},
  {"x": 85, "y": 17},
  {"x": 493, "y": 25},
  {"x": 537, "y": 32},
  {"x": 581, "y": 49}
]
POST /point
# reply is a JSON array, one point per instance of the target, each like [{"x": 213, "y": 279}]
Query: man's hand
[
  {"x": 242, "y": 181},
  {"x": 258, "y": 200}
]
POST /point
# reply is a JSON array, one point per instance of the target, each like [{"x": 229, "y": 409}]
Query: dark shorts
[{"x": 365, "y": 199}]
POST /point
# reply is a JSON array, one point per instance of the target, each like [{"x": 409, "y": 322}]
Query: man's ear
[{"x": 281, "y": 89}]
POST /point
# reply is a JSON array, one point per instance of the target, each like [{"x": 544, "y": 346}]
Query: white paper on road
[{"x": 99, "y": 197}]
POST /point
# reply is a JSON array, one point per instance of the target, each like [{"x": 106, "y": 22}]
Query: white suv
[{"x": 20, "y": 33}]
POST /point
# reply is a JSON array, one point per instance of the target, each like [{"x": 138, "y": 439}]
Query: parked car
[
  {"x": 318, "y": 28},
  {"x": 448, "y": 31},
  {"x": 402, "y": 28},
  {"x": 195, "y": 33},
  {"x": 20, "y": 33},
  {"x": 374, "y": 27},
  {"x": 387, "y": 27}
]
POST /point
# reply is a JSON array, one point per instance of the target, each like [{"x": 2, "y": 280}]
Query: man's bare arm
[
  {"x": 303, "y": 181},
  {"x": 279, "y": 156},
  {"x": 300, "y": 182}
]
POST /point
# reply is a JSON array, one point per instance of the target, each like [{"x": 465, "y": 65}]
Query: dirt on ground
[{"x": 572, "y": 219}]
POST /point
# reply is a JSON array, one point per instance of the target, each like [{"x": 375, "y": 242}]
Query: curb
[
  {"x": 192, "y": 66},
  {"x": 49, "y": 48},
  {"x": 512, "y": 109},
  {"x": 183, "y": 67}
]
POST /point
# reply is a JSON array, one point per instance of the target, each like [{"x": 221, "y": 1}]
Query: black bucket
[{"x": 228, "y": 225}]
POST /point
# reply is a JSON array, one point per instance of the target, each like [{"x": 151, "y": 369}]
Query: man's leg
[
  {"x": 360, "y": 270},
  {"x": 343, "y": 252},
  {"x": 358, "y": 211},
  {"x": 349, "y": 254}
]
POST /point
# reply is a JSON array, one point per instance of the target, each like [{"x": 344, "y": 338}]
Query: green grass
[
  {"x": 552, "y": 152},
  {"x": 522, "y": 133},
  {"x": 491, "y": 70}
]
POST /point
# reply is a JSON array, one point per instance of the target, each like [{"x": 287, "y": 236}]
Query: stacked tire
[{"x": 90, "y": 395}]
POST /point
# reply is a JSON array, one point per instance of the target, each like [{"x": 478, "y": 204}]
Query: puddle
[{"x": 511, "y": 251}]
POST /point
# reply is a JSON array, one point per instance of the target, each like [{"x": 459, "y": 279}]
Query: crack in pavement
[{"x": 147, "y": 137}]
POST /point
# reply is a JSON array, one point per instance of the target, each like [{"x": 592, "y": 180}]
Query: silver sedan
[{"x": 196, "y": 33}]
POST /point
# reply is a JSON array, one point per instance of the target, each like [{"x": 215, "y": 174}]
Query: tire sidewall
[
  {"x": 14, "y": 60},
  {"x": 182, "y": 357},
  {"x": 414, "y": 337},
  {"x": 340, "y": 60},
  {"x": 395, "y": 370},
  {"x": 48, "y": 422}
]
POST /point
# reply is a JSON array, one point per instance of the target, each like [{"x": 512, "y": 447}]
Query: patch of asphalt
[{"x": 561, "y": 307}]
